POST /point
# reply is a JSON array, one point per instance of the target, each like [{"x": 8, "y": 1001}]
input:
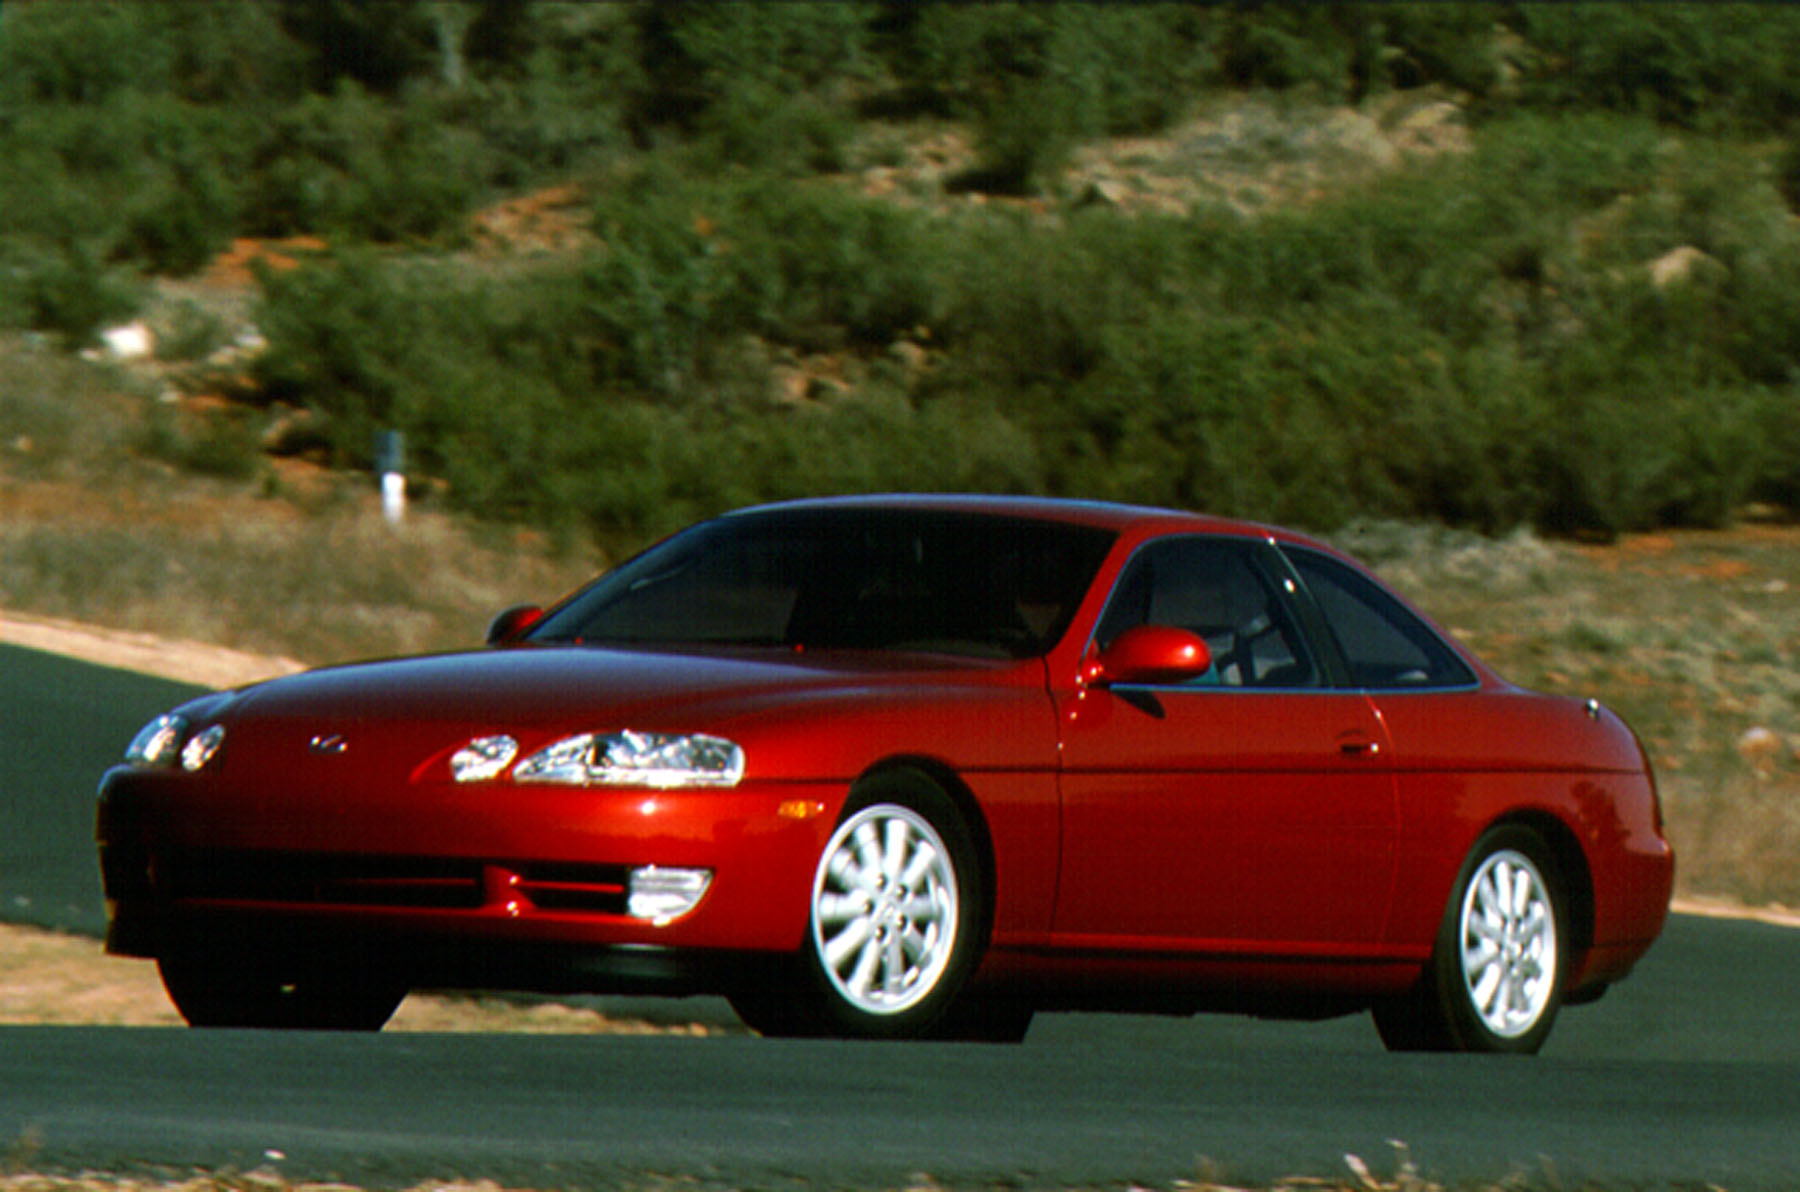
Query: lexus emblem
[{"x": 328, "y": 743}]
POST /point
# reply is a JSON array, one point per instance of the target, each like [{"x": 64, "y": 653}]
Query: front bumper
[{"x": 479, "y": 886}]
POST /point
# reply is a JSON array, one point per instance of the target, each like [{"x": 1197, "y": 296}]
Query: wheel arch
[
  {"x": 946, "y": 779},
  {"x": 1572, "y": 870},
  {"x": 1440, "y": 1011}
]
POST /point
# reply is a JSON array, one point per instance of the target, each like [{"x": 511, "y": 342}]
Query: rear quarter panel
[{"x": 1466, "y": 761}]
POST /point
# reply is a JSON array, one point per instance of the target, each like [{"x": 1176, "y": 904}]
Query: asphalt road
[
  {"x": 62, "y": 723},
  {"x": 1688, "y": 1074}
]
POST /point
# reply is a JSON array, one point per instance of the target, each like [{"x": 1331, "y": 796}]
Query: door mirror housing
[
  {"x": 513, "y": 624},
  {"x": 1159, "y": 655}
]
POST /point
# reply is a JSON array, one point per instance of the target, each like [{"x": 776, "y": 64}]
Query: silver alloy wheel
[
  {"x": 885, "y": 907},
  {"x": 1508, "y": 944}
]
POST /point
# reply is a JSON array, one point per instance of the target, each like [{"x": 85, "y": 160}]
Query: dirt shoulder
[
  {"x": 143, "y": 653},
  {"x": 52, "y": 979}
]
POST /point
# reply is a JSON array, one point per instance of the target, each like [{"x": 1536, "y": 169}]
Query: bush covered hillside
[{"x": 610, "y": 267}]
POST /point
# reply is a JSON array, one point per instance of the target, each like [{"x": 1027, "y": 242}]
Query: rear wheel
[
  {"x": 1496, "y": 974},
  {"x": 213, "y": 990}
]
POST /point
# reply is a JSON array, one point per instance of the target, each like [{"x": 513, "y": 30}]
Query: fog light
[{"x": 661, "y": 895}]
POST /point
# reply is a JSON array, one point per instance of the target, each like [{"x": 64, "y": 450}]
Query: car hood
[
  {"x": 818, "y": 714},
  {"x": 544, "y": 687}
]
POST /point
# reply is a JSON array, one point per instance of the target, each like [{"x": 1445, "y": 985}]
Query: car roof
[{"x": 1110, "y": 515}]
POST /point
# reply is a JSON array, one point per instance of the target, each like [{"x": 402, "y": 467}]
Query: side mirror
[
  {"x": 512, "y": 624},
  {"x": 1153, "y": 654}
]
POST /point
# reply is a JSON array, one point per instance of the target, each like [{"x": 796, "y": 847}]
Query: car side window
[
  {"x": 1212, "y": 587},
  {"x": 1384, "y": 644}
]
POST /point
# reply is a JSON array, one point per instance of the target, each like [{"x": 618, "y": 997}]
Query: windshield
[{"x": 855, "y": 578}]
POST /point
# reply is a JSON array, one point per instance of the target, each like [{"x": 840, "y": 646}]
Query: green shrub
[
  {"x": 1778, "y": 481},
  {"x": 648, "y": 306},
  {"x": 1026, "y": 136},
  {"x": 182, "y": 222},
  {"x": 1787, "y": 178},
  {"x": 878, "y": 441},
  {"x": 696, "y": 58},
  {"x": 1116, "y": 68},
  {"x": 144, "y": 179},
  {"x": 377, "y": 44},
  {"x": 1403, "y": 46},
  {"x": 190, "y": 332},
  {"x": 1724, "y": 66},
  {"x": 81, "y": 53},
  {"x": 796, "y": 134},
  {"x": 351, "y": 164},
  {"x": 688, "y": 266},
  {"x": 1039, "y": 79},
  {"x": 345, "y": 338},
  {"x": 223, "y": 445},
  {"x": 1443, "y": 346},
  {"x": 225, "y": 52},
  {"x": 1279, "y": 47},
  {"x": 1476, "y": 339},
  {"x": 815, "y": 266},
  {"x": 550, "y": 86},
  {"x": 75, "y": 296}
]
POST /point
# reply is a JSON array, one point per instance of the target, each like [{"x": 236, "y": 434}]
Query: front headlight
[
  {"x": 202, "y": 747},
  {"x": 483, "y": 758},
  {"x": 664, "y": 761},
  {"x": 164, "y": 742},
  {"x": 158, "y": 743}
]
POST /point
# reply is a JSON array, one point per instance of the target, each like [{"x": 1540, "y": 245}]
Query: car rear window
[{"x": 1384, "y": 643}]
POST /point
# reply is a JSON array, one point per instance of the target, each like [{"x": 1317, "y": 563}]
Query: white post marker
[
  {"x": 393, "y": 497},
  {"x": 390, "y": 456}
]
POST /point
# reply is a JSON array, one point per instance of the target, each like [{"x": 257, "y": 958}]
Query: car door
[
  {"x": 1249, "y": 811},
  {"x": 1451, "y": 743}
]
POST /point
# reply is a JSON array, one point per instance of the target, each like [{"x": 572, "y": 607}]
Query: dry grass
[
  {"x": 1360, "y": 1177},
  {"x": 65, "y": 980},
  {"x": 325, "y": 581}
]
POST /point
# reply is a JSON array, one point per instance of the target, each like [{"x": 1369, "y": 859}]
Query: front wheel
[
  {"x": 1495, "y": 978},
  {"x": 896, "y": 907},
  {"x": 212, "y": 990}
]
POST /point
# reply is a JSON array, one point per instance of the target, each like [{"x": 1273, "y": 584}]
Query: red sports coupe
[{"x": 908, "y": 767}]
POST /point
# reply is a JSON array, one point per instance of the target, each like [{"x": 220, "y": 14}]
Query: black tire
[
  {"x": 776, "y": 1008},
  {"x": 896, "y": 915},
  {"x": 1498, "y": 968},
  {"x": 237, "y": 991},
  {"x": 985, "y": 1018}
]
